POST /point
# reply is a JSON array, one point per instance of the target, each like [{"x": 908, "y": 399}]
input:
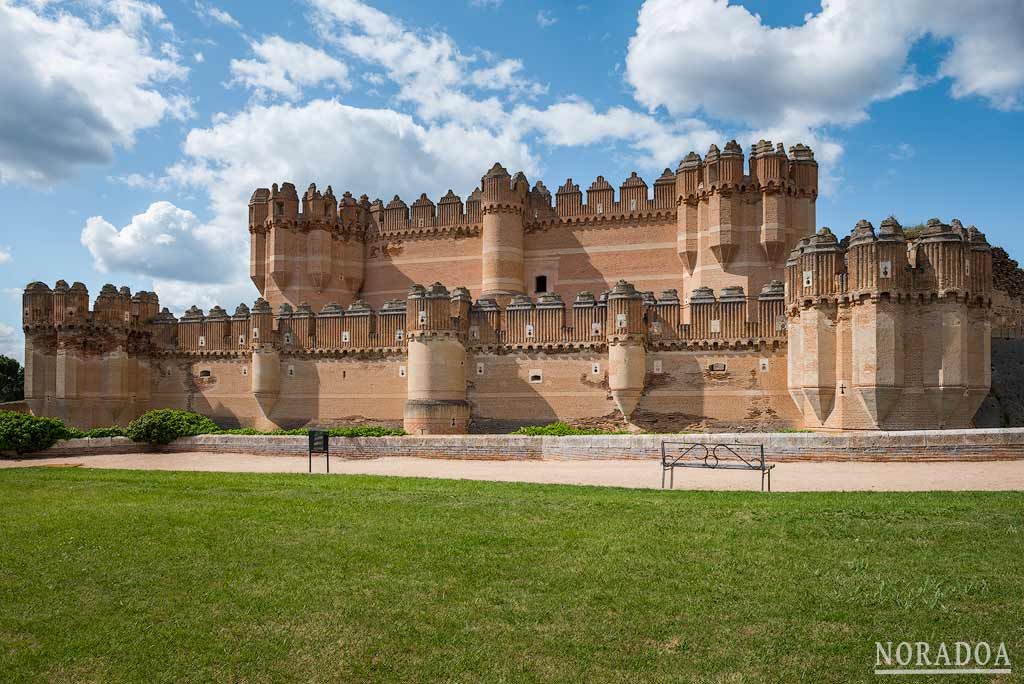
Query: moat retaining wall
[{"x": 922, "y": 445}]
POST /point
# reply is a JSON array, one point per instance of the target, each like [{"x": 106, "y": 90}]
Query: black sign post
[{"x": 319, "y": 443}]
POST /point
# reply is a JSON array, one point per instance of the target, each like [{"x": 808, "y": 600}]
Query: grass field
[{"x": 110, "y": 576}]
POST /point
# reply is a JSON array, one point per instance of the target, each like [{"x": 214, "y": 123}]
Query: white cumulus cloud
[
  {"x": 164, "y": 241},
  {"x": 5, "y": 255},
  {"x": 76, "y": 88},
  {"x": 284, "y": 68},
  {"x": 705, "y": 56}
]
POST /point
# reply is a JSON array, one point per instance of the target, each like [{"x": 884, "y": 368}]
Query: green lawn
[{"x": 109, "y": 576}]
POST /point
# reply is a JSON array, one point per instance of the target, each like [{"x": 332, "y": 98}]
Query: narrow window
[
  {"x": 479, "y": 368},
  {"x": 287, "y": 338},
  {"x": 127, "y": 316},
  {"x": 255, "y": 333},
  {"x": 716, "y": 326},
  {"x": 885, "y": 269},
  {"x": 529, "y": 330},
  {"x": 204, "y": 374},
  {"x": 540, "y": 283},
  {"x": 202, "y": 341},
  {"x": 344, "y": 336},
  {"x": 600, "y": 208},
  {"x": 620, "y": 321},
  {"x": 595, "y": 369},
  {"x": 764, "y": 365},
  {"x": 399, "y": 335},
  {"x": 595, "y": 328},
  {"x": 656, "y": 327},
  {"x": 401, "y": 371},
  {"x": 245, "y": 370},
  {"x": 658, "y": 370},
  {"x": 632, "y": 205},
  {"x": 241, "y": 340},
  {"x": 808, "y": 278},
  {"x": 536, "y": 376},
  {"x": 420, "y": 223},
  {"x": 291, "y": 370},
  {"x": 278, "y": 208},
  {"x": 423, "y": 317},
  {"x": 474, "y": 332}
]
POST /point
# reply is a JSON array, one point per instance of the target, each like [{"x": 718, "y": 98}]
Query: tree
[{"x": 12, "y": 380}]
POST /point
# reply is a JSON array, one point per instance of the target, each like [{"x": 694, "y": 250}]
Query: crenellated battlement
[
  {"x": 720, "y": 170},
  {"x": 64, "y": 307},
  {"x": 544, "y": 322},
  {"x": 945, "y": 261}
]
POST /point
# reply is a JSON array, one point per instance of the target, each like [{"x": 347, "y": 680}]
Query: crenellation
[
  {"x": 665, "y": 191},
  {"x": 600, "y": 197}
]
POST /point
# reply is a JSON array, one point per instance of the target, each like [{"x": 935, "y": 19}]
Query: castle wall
[
  {"x": 393, "y": 266},
  {"x": 876, "y": 332}
]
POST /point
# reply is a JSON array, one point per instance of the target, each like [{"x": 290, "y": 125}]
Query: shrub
[
  {"x": 114, "y": 431},
  {"x": 163, "y": 426},
  {"x": 366, "y": 431},
  {"x": 353, "y": 431},
  {"x": 23, "y": 433},
  {"x": 560, "y": 429}
]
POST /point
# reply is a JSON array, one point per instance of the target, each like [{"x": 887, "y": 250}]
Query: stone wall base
[{"x": 925, "y": 445}]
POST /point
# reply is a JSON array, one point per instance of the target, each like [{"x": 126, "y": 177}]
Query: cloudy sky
[{"x": 133, "y": 132}]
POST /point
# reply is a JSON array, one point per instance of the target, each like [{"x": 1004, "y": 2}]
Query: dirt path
[{"x": 787, "y": 477}]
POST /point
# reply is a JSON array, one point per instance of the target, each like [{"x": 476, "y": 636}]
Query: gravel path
[{"x": 787, "y": 477}]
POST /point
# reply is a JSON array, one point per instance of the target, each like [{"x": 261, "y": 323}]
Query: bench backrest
[{"x": 712, "y": 453}]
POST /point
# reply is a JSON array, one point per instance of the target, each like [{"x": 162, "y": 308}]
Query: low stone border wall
[{"x": 925, "y": 445}]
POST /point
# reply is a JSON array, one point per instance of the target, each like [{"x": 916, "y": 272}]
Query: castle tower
[
  {"x": 812, "y": 271},
  {"x": 882, "y": 337},
  {"x": 436, "y": 402},
  {"x": 266, "y": 363},
  {"x": 941, "y": 255},
  {"x": 627, "y": 355},
  {"x": 312, "y": 252},
  {"x": 503, "y": 202},
  {"x": 735, "y": 229},
  {"x": 878, "y": 279}
]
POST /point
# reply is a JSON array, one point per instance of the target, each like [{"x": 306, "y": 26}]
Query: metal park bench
[{"x": 724, "y": 456}]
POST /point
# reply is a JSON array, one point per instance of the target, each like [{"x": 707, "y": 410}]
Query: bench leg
[
  {"x": 672, "y": 478},
  {"x": 662, "y": 475},
  {"x": 762, "y": 480},
  {"x": 769, "y": 481}
]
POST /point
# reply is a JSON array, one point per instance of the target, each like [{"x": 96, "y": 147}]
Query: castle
[{"x": 551, "y": 312}]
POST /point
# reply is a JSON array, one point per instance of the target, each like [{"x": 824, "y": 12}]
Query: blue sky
[{"x": 133, "y": 131}]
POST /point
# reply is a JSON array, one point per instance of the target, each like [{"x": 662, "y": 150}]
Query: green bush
[
  {"x": 114, "y": 431},
  {"x": 366, "y": 431},
  {"x": 560, "y": 429},
  {"x": 23, "y": 433},
  {"x": 163, "y": 426}
]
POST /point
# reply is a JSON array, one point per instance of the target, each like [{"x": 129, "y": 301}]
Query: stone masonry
[{"x": 550, "y": 313}]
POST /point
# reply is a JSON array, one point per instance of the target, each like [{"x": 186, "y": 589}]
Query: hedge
[
  {"x": 559, "y": 429},
  {"x": 24, "y": 433}
]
